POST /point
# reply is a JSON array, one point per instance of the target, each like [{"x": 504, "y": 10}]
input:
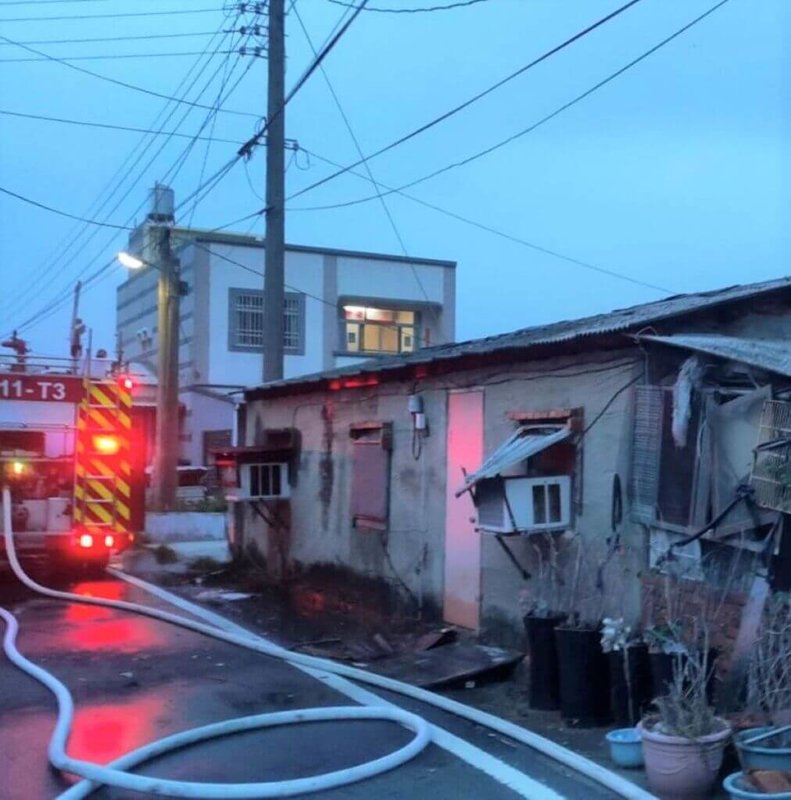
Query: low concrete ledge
[{"x": 185, "y": 526}]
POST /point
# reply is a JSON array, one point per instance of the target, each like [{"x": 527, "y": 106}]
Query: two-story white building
[{"x": 341, "y": 306}]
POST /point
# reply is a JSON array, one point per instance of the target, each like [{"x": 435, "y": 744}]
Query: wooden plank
[{"x": 451, "y": 663}]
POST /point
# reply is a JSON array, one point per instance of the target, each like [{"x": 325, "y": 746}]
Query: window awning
[{"x": 522, "y": 444}]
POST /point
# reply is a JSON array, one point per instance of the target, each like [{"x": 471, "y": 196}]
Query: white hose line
[
  {"x": 115, "y": 774},
  {"x": 584, "y": 766}
]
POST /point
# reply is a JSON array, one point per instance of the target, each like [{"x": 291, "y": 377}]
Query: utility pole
[
  {"x": 166, "y": 445},
  {"x": 76, "y": 329},
  {"x": 275, "y": 196}
]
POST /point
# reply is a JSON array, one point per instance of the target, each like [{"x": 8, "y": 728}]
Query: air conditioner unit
[
  {"x": 523, "y": 505},
  {"x": 264, "y": 481}
]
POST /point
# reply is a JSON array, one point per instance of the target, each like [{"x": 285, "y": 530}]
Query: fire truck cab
[{"x": 64, "y": 454}]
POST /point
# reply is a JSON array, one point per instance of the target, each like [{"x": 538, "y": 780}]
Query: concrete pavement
[{"x": 136, "y": 679}]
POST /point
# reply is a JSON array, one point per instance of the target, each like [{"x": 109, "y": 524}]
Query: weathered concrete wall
[
  {"x": 410, "y": 554},
  {"x": 593, "y": 385}
]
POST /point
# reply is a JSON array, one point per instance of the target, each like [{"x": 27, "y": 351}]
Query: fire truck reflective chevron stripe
[{"x": 103, "y": 466}]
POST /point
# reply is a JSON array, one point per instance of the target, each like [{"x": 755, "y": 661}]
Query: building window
[
  {"x": 379, "y": 330},
  {"x": 370, "y": 499},
  {"x": 265, "y": 480},
  {"x": 246, "y": 321}
]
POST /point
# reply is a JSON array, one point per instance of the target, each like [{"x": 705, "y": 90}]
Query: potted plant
[
  {"x": 769, "y": 690},
  {"x": 584, "y": 673},
  {"x": 542, "y": 614},
  {"x": 683, "y": 742},
  {"x": 669, "y": 644},
  {"x": 627, "y": 656}
]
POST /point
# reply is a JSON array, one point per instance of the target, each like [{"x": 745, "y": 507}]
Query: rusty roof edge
[{"x": 585, "y": 328}]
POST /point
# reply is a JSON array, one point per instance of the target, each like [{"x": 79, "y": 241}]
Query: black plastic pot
[
  {"x": 662, "y": 672},
  {"x": 543, "y": 688},
  {"x": 638, "y": 685},
  {"x": 584, "y": 678}
]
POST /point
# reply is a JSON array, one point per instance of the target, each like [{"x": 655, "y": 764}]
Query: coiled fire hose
[{"x": 116, "y": 773}]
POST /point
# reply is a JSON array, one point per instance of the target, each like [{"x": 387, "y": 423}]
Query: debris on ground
[
  {"x": 460, "y": 662},
  {"x": 221, "y": 596}
]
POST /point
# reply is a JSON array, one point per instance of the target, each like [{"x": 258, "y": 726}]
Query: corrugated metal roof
[
  {"x": 768, "y": 354},
  {"x": 522, "y": 444},
  {"x": 634, "y": 319}
]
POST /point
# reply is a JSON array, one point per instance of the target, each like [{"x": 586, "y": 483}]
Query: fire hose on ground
[{"x": 117, "y": 773}]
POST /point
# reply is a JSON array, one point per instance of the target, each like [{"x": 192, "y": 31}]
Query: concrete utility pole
[
  {"x": 275, "y": 196},
  {"x": 166, "y": 446}
]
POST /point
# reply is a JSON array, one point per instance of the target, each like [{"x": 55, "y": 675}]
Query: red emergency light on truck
[{"x": 65, "y": 453}]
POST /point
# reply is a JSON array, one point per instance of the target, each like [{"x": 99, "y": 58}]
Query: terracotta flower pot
[{"x": 679, "y": 768}]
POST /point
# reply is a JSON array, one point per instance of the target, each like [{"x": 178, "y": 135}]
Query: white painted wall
[
  {"x": 303, "y": 273},
  {"x": 370, "y": 277}
]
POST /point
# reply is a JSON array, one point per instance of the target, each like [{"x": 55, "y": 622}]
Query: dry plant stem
[
  {"x": 769, "y": 676},
  {"x": 685, "y": 710}
]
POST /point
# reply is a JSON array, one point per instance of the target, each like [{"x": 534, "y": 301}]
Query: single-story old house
[{"x": 561, "y": 466}]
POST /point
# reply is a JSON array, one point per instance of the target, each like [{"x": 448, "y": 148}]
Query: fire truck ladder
[{"x": 102, "y": 465}]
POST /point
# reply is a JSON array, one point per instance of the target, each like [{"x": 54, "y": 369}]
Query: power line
[
  {"x": 108, "y": 57},
  {"x": 534, "y": 126},
  {"x": 92, "y": 39},
  {"x": 502, "y": 234},
  {"x": 126, "y": 85},
  {"x": 459, "y": 4},
  {"x": 46, "y": 2},
  {"x": 359, "y": 149},
  {"x": 63, "y": 213},
  {"x": 113, "y": 16},
  {"x": 112, "y": 127},
  {"x": 248, "y": 146},
  {"x": 116, "y": 182},
  {"x": 475, "y": 98}
]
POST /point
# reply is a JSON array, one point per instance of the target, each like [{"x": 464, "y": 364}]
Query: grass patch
[
  {"x": 206, "y": 564},
  {"x": 165, "y": 555}
]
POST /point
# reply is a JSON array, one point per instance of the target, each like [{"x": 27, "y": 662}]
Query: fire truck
[{"x": 65, "y": 453}]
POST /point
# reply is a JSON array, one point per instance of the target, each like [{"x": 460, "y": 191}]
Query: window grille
[
  {"x": 246, "y": 321},
  {"x": 771, "y": 477}
]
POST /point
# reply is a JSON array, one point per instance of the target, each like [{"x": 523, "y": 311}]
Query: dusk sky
[{"x": 675, "y": 174}]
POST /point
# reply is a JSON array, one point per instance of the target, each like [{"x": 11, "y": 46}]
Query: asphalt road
[{"x": 136, "y": 679}]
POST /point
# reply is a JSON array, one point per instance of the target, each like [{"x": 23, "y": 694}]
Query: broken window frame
[{"x": 372, "y": 445}]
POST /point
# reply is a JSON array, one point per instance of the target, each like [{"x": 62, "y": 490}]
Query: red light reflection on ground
[
  {"x": 105, "y": 732},
  {"x": 109, "y": 590},
  {"x": 96, "y": 628}
]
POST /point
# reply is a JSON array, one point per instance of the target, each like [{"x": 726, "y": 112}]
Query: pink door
[{"x": 462, "y": 541}]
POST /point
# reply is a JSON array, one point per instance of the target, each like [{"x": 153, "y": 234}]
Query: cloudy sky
[{"x": 675, "y": 175}]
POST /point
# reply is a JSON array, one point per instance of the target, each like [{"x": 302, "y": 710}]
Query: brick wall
[{"x": 694, "y": 602}]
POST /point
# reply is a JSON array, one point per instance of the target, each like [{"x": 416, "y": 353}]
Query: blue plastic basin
[
  {"x": 626, "y": 748},
  {"x": 738, "y": 789},
  {"x": 765, "y": 754}
]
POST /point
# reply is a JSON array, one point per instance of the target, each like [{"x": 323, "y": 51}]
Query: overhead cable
[
  {"x": 534, "y": 126},
  {"x": 248, "y": 146},
  {"x": 458, "y": 4},
  {"x": 475, "y": 98},
  {"x": 63, "y": 213},
  {"x": 109, "y": 57},
  {"x": 359, "y": 149},
  {"x": 68, "y": 17},
  {"x": 502, "y": 234},
  {"x": 112, "y": 127},
  {"x": 117, "y": 181},
  {"x": 126, "y": 85},
  {"x": 126, "y": 38}
]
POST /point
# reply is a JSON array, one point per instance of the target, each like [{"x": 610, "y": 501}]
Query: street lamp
[
  {"x": 129, "y": 261},
  {"x": 166, "y": 432}
]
